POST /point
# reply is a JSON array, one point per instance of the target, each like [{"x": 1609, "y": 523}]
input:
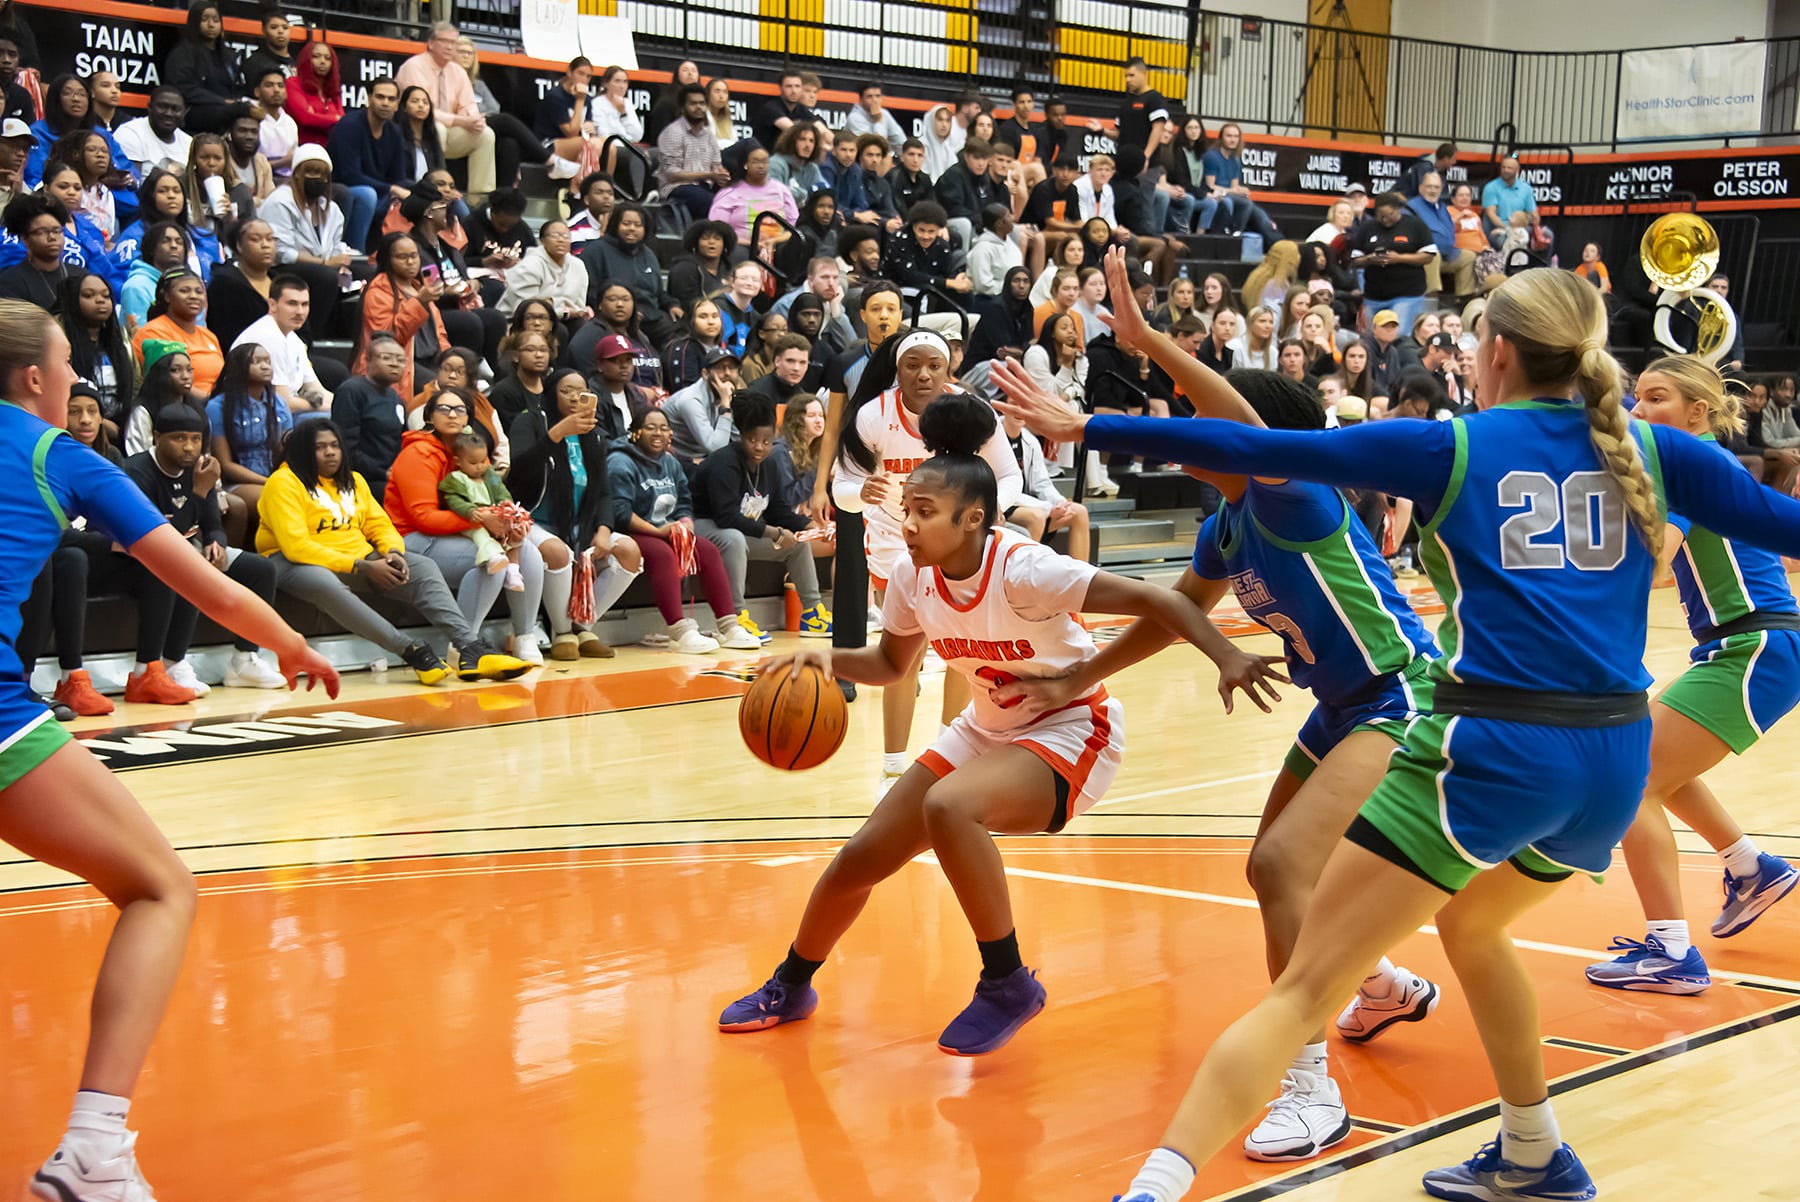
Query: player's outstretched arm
[
  {"x": 175, "y": 562},
  {"x": 1711, "y": 491},
  {"x": 1200, "y": 384},
  {"x": 1406, "y": 459},
  {"x": 1175, "y": 611}
]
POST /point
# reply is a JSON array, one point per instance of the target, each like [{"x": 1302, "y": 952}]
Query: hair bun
[{"x": 956, "y": 423}]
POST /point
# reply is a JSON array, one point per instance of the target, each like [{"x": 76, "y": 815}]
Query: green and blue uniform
[
  {"x": 1538, "y": 748},
  {"x": 54, "y": 477},
  {"x": 1302, "y": 566},
  {"x": 1746, "y": 658}
]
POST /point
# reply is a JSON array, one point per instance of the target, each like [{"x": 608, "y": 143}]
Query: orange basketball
[{"x": 793, "y": 718}]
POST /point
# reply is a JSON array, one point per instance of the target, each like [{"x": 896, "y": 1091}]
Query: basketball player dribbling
[{"x": 996, "y": 606}]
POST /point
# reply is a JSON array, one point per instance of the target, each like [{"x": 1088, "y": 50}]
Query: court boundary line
[{"x": 1450, "y": 1124}]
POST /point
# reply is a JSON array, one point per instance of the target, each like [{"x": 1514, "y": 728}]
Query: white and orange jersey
[
  {"x": 1014, "y": 619},
  {"x": 886, "y": 428}
]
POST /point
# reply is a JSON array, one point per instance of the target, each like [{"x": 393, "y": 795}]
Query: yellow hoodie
[{"x": 332, "y": 533}]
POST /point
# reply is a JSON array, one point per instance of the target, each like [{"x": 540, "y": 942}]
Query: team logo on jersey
[
  {"x": 900, "y": 467},
  {"x": 1249, "y": 589},
  {"x": 998, "y": 650}
]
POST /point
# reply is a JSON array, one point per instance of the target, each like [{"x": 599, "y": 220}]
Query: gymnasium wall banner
[
  {"x": 1292, "y": 170},
  {"x": 1716, "y": 179},
  {"x": 1691, "y": 91}
]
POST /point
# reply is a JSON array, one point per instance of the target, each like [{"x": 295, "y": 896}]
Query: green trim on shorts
[
  {"x": 1298, "y": 762},
  {"x": 1405, "y": 806},
  {"x": 1712, "y": 692},
  {"x": 1543, "y": 865},
  {"x": 30, "y": 747}
]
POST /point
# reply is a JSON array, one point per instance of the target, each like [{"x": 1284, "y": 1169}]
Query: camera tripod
[{"x": 1337, "y": 23}]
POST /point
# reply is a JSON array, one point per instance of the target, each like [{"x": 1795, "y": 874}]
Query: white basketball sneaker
[
  {"x": 1306, "y": 1119},
  {"x": 74, "y": 1174},
  {"x": 1411, "y": 999}
]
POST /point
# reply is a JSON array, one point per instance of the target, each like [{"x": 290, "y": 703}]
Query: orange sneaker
[
  {"x": 77, "y": 692},
  {"x": 153, "y": 686}
]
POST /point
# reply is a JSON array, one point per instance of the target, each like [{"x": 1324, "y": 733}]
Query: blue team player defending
[
  {"x": 59, "y": 804},
  {"x": 1542, "y": 515},
  {"x": 1302, "y": 566},
  {"x": 1745, "y": 676}
]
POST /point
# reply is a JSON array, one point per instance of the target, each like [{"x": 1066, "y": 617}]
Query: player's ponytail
[
  {"x": 1697, "y": 380},
  {"x": 954, "y": 428},
  {"x": 1556, "y": 323}
]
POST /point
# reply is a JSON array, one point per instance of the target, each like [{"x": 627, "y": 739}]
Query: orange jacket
[
  {"x": 382, "y": 315},
  {"x": 411, "y": 499}
]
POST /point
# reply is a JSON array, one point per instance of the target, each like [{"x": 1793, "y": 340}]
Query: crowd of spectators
[{"x": 539, "y": 411}]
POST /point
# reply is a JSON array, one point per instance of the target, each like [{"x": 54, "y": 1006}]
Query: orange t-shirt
[
  {"x": 202, "y": 346},
  {"x": 1042, "y": 313}
]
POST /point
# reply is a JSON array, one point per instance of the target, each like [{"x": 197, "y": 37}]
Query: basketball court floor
[{"x": 470, "y": 943}]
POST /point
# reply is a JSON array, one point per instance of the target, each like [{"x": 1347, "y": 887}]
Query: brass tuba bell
[{"x": 1680, "y": 251}]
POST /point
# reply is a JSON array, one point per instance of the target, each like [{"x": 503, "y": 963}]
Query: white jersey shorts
[{"x": 1083, "y": 744}]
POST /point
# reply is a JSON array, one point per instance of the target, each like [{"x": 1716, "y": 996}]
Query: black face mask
[{"x": 313, "y": 188}]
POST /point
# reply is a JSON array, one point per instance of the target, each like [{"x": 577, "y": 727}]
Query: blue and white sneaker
[
  {"x": 1486, "y": 1177},
  {"x": 995, "y": 1015},
  {"x": 775, "y": 1003},
  {"x": 1647, "y": 967},
  {"x": 1747, "y": 897}
]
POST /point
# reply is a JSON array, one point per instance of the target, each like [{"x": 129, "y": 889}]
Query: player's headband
[{"x": 926, "y": 339}]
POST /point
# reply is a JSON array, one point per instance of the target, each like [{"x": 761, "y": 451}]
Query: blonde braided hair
[
  {"x": 1530, "y": 310},
  {"x": 1698, "y": 380}
]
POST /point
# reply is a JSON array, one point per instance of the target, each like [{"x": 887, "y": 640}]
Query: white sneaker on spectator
[
  {"x": 733, "y": 637},
  {"x": 182, "y": 673},
  {"x": 248, "y": 670},
  {"x": 561, "y": 168},
  {"x": 685, "y": 637},
  {"x": 525, "y": 647}
]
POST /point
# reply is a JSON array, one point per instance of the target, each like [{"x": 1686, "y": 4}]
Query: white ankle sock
[
  {"x": 99, "y": 1114},
  {"x": 143, "y": 667},
  {"x": 1166, "y": 1177},
  {"x": 1741, "y": 857},
  {"x": 893, "y": 763},
  {"x": 1313, "y": 1059},
  {"x": 1529, "y": 1136},
  {"x": 943, "y": 728},
  {"x": 1672, "y": 933},
  {"x": 1380, "y": 983}
]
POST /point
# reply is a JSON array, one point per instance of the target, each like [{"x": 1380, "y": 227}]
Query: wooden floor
[{"x": 470, "y": 943}]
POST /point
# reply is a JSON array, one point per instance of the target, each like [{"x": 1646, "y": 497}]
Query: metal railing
[
  {"x": 1288, "y": 78},
  {"x": 1274, "y": 76}
]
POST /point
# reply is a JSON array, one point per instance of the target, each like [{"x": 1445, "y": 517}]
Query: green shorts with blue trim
[
  {"x": 1390, "y": 707},
  {"x": 1740, "y": 685},
  {"x": 1464, "y": 794}
]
